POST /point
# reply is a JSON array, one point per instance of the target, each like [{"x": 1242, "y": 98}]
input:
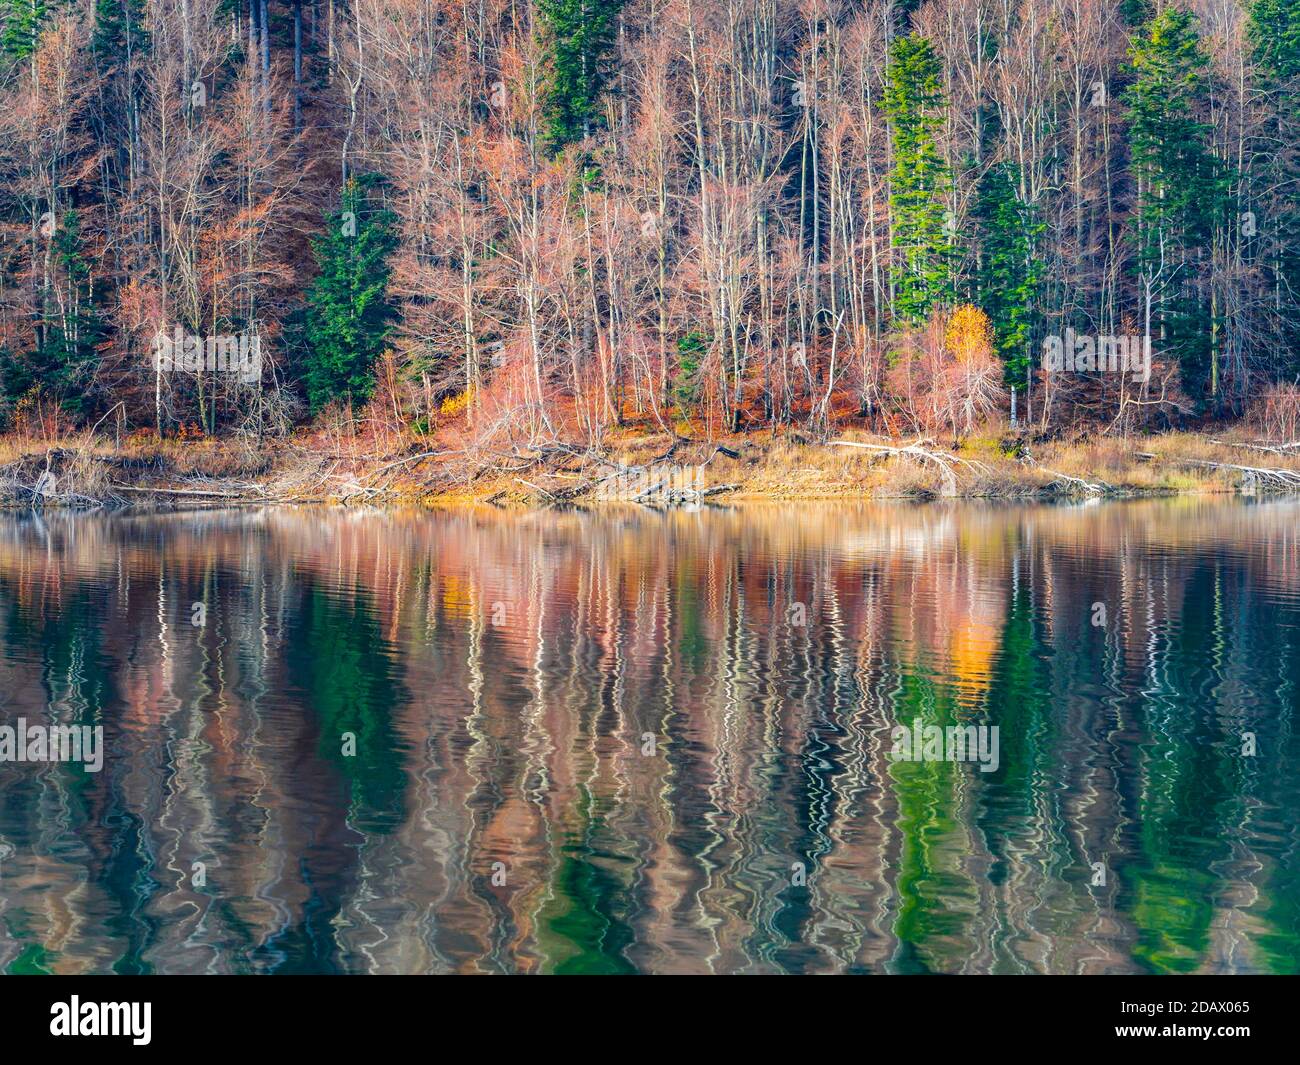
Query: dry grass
[
  {"x": 787, "y": 468},
  {"x": 1124, "y": 463},
  {"x": 992, "y": 464},
  {"x": 794, "y": 467},
  {"x": 80, "y": 470}
]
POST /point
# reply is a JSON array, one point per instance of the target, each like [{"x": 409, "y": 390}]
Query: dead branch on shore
[
  {"x": 659, "y": 495},
  {"x": 205, "y": 493},
  {"x": 1284, "y": 450},
  {"x": 44, "y": 490},
  {"x": 550, "y": 497},
  {"x": 946, "y": 464},
  {"x": 44, "y": 493},
  {"x": 1092, "y": 488},
  {"x": 593, "y": 483},
  {"x": 403, "y": 462},
  {"x": 1273, "y": 477}
]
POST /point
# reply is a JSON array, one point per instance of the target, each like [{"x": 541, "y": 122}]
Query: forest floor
[{"x": 643, "y": 468}]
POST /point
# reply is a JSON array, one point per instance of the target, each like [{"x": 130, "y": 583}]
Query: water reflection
[{"x": 641, "y": 742}]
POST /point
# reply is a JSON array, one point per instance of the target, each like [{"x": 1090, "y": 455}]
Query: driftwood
[
  {"x": 207, "y": 493},
  {"x": 680, "y": 495},
  {"x": 1092, "y": 488},
  {"x": 402, "y": 462},
  {"x": 45, "y": 489},
  {"x": 1287, "y": 480},
  {"x": 656, "y": 491},
  {"x": 946, "y": 464},
  {"x": 649, "y": 490},
  {"x": 550, "y": 496},
  {"x": 1269, "y": 449},
  {"x": 1253, "y": 476},
  {"x": 42, "y": 494}
]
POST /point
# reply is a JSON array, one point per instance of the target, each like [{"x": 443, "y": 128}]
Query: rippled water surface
[{"x": 632, "y": 741}]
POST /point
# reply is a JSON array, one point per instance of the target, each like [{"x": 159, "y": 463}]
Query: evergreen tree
[
  {"x": 1273, "y": 30},
  {"x": 349, "y": 316},
  {"x": 691, "y": 350},
  {"x": 579, "y": 36},
  {"x": 1273, "y": 27},
  {"x": 919, "y": 180},
  {"x": 69, "y": 331},
  {"x": 119, "y": 31},
  {"x": 1010, "y": 271},
  {"x": 22, "y": 21},
  {"x": 1134, "y": 12},
  {"x": 1181, "y": 187}
]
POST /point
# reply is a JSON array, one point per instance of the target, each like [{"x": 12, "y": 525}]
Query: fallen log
[
  {"x": 1282, "y": 450},
  {"x": 402, "y": 462},
  {"x": 181, "y": 492},
  {"x": 1275, "y": 477},
  {"x": 945, "y": 463},
  {"x": 540, "y": 490},
  {"x": 651, "y": 490},
  {"x": 1092, "y": 488},
  {"x": 674, "y": 496}
]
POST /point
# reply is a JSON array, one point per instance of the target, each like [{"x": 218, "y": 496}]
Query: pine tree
[
  {"x": 1010, "y": 271},
  {"x": 685, "y": 390},
  {"x": 1134, "y": 12},
  {"x": 69, "y": 330},
  {"x": 1181, "y": 186},
  {"x": 1273, "y": 27},
  {"x": 579, "y": 37},
  {"x": 119, "y": 31},
  {"x": 349, "y": 315},
  {"x": 22, "y": 20},
  {"x": 919, "y": 180},
  {"x": 1273, "y": 30}
]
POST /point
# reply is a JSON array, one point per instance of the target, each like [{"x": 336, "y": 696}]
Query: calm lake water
[{"x": 630, "y": 741}]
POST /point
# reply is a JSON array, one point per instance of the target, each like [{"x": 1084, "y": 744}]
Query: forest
[{"x": 554, "y": 221}]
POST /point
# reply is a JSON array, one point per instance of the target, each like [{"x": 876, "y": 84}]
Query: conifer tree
[
  {"x": 69, "y": 330},
  {"x": 1181, "y": 188},
  {"x": 22, "y": 21},
  {"x": 1010, "y": 271},
  {"x": 1273, "y": 30},
  {"x": 579, "y": 36},
  {"x": 919, "y": 180},
  {"x": 119, "y": 31},
  {"x": 349, "y": 315}
]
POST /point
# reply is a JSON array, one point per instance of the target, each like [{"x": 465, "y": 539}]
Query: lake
[{"x": 630, "y": 741}]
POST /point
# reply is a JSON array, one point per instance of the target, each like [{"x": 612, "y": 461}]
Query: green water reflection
[{"x": 627, "y": 741}]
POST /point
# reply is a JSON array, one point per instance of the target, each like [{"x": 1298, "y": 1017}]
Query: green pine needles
[
  {"x": 919, "y": 180},
  {"x": 1010, "y": 272},
  {"x": 1182, "y": 187},
  {"x": 349, "y": 314},
  {"x": 579, "y": 38}
]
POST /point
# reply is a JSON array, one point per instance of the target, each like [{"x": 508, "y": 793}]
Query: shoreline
[{"x": 653, "y": 470}]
